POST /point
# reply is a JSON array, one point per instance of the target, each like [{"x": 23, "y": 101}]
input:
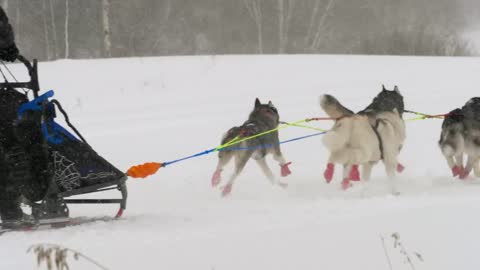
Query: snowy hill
[{"x": 158, "y": 109}]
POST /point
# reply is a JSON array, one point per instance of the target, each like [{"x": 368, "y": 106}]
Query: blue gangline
[
  {"x": 206, "y": 152},
  {"x": 264, "y": 146}
]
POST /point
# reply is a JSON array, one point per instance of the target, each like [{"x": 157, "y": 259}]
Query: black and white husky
[
  {"x": 386, "y": 101},
  {"x": 264, "y": 117},
  {"x": 461, "y": 136},
  {"x": 363, "y": 139},
  {"x": 452, "y": 141}
]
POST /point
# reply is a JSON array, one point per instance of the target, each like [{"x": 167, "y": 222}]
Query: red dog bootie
[
  {"x": 285, "y": 171},
  {"x": 354, "y": 173},
  {"x": 227, "y": 190},
  {"x": 400, "y": 168},
  {"x": 457, "y": 170},
  {"x": 464, "y": 174},
  {"x": 328, "y": 174},
  {"x": 346, "y": 184},
  {"x": 216, "y": 178}
]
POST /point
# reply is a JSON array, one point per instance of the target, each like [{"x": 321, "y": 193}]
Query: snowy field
[{"x": 158, "y": 109}]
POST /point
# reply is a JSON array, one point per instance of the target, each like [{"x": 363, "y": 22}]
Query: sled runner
[
  {"x": 48, "y": 163},
  {"x": 43, "y": 225}
]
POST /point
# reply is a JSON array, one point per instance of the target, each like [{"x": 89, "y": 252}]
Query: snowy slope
[{"x": 158, "y": 109}]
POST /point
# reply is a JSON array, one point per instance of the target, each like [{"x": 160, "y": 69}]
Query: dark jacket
[{"x": 8, "y": 49}]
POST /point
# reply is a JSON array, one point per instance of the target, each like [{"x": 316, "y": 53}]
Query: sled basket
[{"x": 74, "y": 168}]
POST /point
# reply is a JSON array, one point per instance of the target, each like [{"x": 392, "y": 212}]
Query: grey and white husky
[
  {"x": 452, "y": 141},
  {"x": 461, "y": 136},
  {"x": 362, "y": 139},
  {"x": 264, "y": 117},
  {"x": 471, "y": 113}
]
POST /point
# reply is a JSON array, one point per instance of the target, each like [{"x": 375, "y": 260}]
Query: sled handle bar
[{"x": 32, "y": 72}]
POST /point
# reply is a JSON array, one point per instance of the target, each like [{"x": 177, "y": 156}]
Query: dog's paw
[
  {"x": 457, "y": 171},
  {"x": 400, "y": 168},
  {"x": 328, "y": 174},
  {"x": 464, "y": 174},
  {"x": 216, "y": 178},
  {"x": 346, "y": 184},
  {"x": 354, "y": 173},
  {"x": 284, "y": 170},
  {"x": 227, "y": 190}
]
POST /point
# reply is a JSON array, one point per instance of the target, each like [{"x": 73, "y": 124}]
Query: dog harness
[
  {"x": 380, "y": 141},
  {"x": 248, "y": 129}
]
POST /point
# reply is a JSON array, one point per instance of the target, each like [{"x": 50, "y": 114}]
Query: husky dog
[
  {"x": 386, "y": 101},
  {"x": 264, "y": 117},
  {"x": 461, "y": 136},
  {"x": 471, "y": 113},
  {"x": 452, "y": 141},
  {"x": 362, "y": 139}
]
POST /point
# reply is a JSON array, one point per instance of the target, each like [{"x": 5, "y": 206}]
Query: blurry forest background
[{"x": 53, "y": 29}]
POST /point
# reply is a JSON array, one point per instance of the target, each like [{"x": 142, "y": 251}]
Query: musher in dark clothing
[
  {"x": 10, "y": 210},
  {"x": 8, "y": 49}
]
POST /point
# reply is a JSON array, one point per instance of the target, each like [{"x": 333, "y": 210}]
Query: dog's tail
[{"x": 333, "y": 108}]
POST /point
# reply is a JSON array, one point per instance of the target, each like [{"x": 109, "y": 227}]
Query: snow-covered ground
[{"x": 158, "y": 109}]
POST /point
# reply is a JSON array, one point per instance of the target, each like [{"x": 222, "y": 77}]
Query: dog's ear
[
  {"x": 270, "y": 103},
  {"x": 383, "y": 87},
  {"x": 257, "y": 103},
  {"x": 396, "y": 89}
]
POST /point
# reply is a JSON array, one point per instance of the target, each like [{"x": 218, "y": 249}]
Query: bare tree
[
  {"x": 107, "y": 42},
  {"x": 54, "y": 29},
  {"x": 45, "y": 29},
  {"x": 315, "y": 30},
  {"x": 67, "y": 18},
  {"x": 309, "y": 36},
  {"x": 5, "y": 5},
  {"x": 17, "y": 19},
  {"x": 285, "y": 10},
  {"x": 255, "y": 11},
  {"x": 167, "y": 10}
]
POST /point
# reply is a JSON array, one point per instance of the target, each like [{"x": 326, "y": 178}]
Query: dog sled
[{"x": 50, "y": 164}]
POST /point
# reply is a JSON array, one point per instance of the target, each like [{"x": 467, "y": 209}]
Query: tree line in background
[{"x": 53, "y": 29}]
